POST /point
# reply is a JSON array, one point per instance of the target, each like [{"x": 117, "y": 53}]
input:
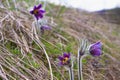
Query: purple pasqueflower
[
  {"x": 45, "y": 27},
  {"x": 96, "y": 49},
  {"x": 64, "y": 59},
  {"x": 37, "y": 11}
]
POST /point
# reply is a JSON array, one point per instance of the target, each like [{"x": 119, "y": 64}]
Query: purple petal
[
  {"x": 39, "y": 6},
  {"x": 37, "y": 17},
  {"x": 96, "y": 52},
  {"x": 60, "y": 64},
  {"x": 45, "y": 27},
  {"x": 66, "y": 55},
  {"x": 60, "y": 58},
  {"x": 32, "y": 12},
  {"x": 40, "y": 15},
  {"x": 98, "y": 44},
  {"x": 42, "y": 11},
  {"x": 95, "y": 49},
  {"x": 34, "y": 8}
]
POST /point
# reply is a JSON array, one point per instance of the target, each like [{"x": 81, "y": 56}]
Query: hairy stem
[
  {"x": 80, "y": 76},
  {"x": 81, "y": 54},
  {"x": 71, "y": 73}
]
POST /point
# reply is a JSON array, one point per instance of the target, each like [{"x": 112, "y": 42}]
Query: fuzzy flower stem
[
  {"x": 81, "y": 55},
  {"x": 71, "y": 73},
  {"x": 80, "y": 76},
  {"x": 37, "y": 26}
]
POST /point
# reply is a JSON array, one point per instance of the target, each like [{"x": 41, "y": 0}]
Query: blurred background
[{"x": 89, "y": 5}]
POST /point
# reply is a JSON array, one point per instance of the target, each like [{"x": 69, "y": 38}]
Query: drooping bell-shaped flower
[{"x": 96, "y": 49}]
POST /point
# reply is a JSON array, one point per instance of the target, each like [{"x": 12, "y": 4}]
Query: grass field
[{"x": 27, "y": 54}]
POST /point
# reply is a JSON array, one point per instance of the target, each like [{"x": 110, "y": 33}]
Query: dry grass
[{"x": 19, "y": 59}]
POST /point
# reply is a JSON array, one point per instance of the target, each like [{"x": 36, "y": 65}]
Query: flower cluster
[
  {"x": 65, "y": 60},
  {"x": 94, "y": 50}
]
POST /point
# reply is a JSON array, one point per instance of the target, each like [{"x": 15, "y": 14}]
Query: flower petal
[
  {"x": 34, "y": 8},
  {"x": 39, "y": 6},
  {"x": 42, "y": 11},
  {"x": 37, "y": 17},
  {"x": 60, "y": 64},
  {"x": 60, "y": 58},
  {"x": 32, "y": 12},
  {"x": 45, "y": 27},
  {"x": 96, "y": 52},
  {"x": 97, "y": 45},
  {"x": 40, "y": 15},
  {"x": 66, "y": 55}
]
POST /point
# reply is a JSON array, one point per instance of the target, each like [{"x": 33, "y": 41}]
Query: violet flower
[
  {"x": 96, "y": 49},
  {"x": 37, "y": 12},
  {"x": 45, "y": 27},
  {"x": 65, "y": 59}
]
